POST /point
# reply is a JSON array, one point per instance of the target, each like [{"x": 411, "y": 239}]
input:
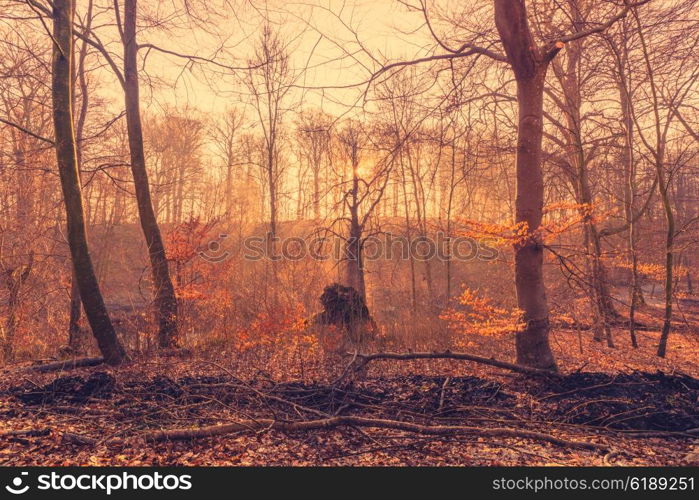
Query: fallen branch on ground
[
  {"x": 349, "y": 420},
  {"x": 333, "y": 422},
  {"x": 68, "y": 364},
  {"x": 26, "y": 432},
  {"x": 361, "y": 360},
  {"x": 70, "y": 438}
]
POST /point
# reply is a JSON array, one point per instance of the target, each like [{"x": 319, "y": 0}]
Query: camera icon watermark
[
  {"x": 16, "y": 487},
  {"x": 214, "y": 251}
]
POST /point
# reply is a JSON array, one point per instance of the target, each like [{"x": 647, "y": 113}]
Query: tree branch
[
  {"x": 364, "y": 359},
  {"x": 349, "y": 420},
  {"x": 27, "y": 131},
  {"x": 557, "y": 45},
  {"x": 616, "y": 230}
]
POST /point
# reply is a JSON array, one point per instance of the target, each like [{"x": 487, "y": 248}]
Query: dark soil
[
  {"x": 69, "y": 389},
  {"x": 638, "y": 401}
]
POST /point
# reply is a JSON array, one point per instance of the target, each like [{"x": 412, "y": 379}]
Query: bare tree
[
  {"x": 80, "y": 79},
  {"x": 353, "y": 143},
  {"x": 165, "y": 300},
  {"x": 268, "y": 80},
  {"x": 314, "y": 139},
  {"x": 225, "y": 138},
  {"x": 573, "y": 77},
  {"x": 15, "y": 277},
  {"x": 662, "y": 103},
  {"x": 529, "y": 62},
  {"x": 66, "y": 155},
  {"x": 362, "y": 194}
]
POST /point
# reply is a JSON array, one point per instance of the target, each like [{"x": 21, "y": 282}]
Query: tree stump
[{"x": 345, "y": 322}]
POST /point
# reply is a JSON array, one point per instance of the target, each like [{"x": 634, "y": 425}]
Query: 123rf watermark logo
[{"x": 106, "y": 483}]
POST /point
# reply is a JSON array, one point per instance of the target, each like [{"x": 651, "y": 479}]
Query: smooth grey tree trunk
[{"x": 529, "y": 64}]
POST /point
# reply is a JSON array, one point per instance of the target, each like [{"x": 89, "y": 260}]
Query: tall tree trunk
[
  {"x": 529, "y": 66},
  {"x": 8, "y": 340},
  {"x": 450, "y": 205},
  {"x": 621, "y": 55},
  {"x": 600, "y": 296},
  {"x": 572, "y": 131},
  {"x": 658, "y": 153},
  {"x": 24, "y": 184},
  {"x": 165, "y": 300},
  {"x": 179, "y": 191},
  {"x": 229, "y": 188},
  {"x": 669, "y": 255},
  {"x": 408, "y": 229},
  {"x": 272, "y": 186},
  {"x": 75, "y": 307},
  {"x": 355, "y": 265},
  {"x": 272, "y": 258},
  {"x": 300, "y": 211},
  {"x": 688, "y": 275},
  {"x": 66, "y": 156},
  {"x": 532, "y": 343},
  {"x": 15, "y": 278},
  {"x": 75, "y": 312},
  {"x": 635, "y": 293},
  {"x": 316, "y": 193}
]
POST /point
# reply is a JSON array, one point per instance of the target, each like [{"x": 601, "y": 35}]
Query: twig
[
  {"x": 579, "y": 389},
  {"x": 442, "y": 393}
]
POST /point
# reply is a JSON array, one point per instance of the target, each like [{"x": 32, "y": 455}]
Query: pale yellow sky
[{"x": 324, "y": 53}]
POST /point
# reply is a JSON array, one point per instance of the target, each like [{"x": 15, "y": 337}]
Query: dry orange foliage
[
  {"x": 559, "y": 218},
  {"x": 283, "y": 328},
  {"x": 478, "y": 315}
]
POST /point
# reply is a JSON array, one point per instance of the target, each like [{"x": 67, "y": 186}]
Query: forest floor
[{"x": 634, "y": 408}]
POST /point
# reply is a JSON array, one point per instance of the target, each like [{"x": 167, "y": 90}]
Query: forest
[{"x": 349, "y": 232}]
